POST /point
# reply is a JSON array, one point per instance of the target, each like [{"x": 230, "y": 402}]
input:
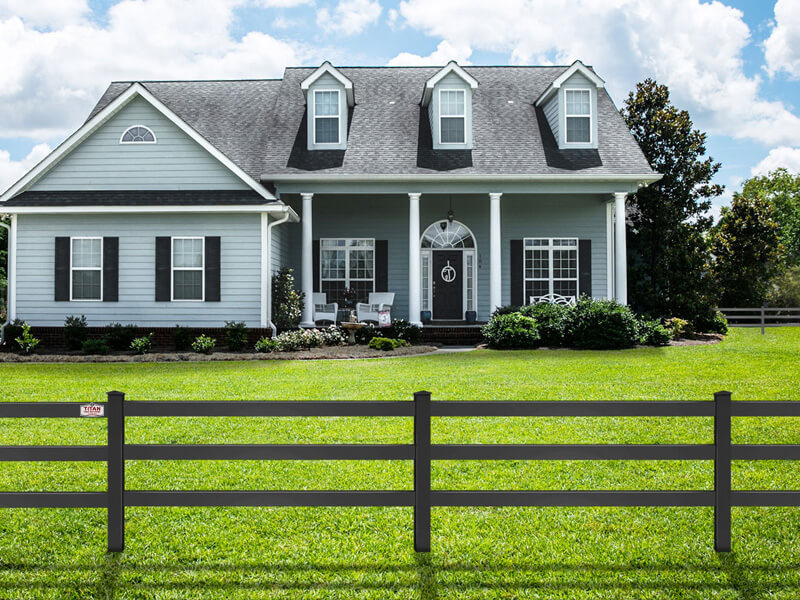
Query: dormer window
[
  {"x": 329, "y": 96},
  {"x": 448, "y": 98},
  {"x": 138, "y": 134},
  {"x": 452, "y": 116},
  {"x": 326, "y": 116},
  {"x": 578, "y": 112}
]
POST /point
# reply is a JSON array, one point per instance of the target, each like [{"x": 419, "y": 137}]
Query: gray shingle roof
[
  {"x": 138, "y": 198},
  {"x": 260, "y": 125}
]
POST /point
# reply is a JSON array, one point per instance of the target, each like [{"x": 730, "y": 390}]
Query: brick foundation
[{"x": 53, "y": 337}]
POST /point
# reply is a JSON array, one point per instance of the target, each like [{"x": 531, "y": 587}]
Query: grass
[{"x": 570, "y": 553}]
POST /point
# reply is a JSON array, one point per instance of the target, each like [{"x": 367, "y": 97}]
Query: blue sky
[{"x": 734, "y": 65}]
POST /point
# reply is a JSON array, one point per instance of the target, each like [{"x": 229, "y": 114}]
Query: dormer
[
  {"x": 570, "y": 107},
  {"x": 448, "y": 97},
  {"x": 329, "y": 96}
]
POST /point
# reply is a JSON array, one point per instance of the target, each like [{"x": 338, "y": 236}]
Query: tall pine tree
[{"x": 667, "y": 247}]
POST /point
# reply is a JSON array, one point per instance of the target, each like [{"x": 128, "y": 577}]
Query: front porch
[{"x": 451, "y": 259}]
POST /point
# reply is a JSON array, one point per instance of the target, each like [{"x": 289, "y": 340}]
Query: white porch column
[
  {"x": 307, "y": 263},
  {"x": 620, "y": 250},
  {"x": 11, "y": 272},
  {"x": 414, "y": 260},
  {"x": 495, "y": 262}
]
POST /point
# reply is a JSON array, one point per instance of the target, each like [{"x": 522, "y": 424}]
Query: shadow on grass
[{"x": 427, "y": 576}]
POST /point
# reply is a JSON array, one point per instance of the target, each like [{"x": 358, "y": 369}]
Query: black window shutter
[
  {"x": 315, "y": 252},
  {"x": 517, "y": 276},
  {"x": 585, "y": 267},
  {"x": 212, "y": 269},
  {"x": 62, "y": 269},
  {"x": 163, "y": 269},
  {"x": 381, "y": 265},
  {"x": 110, "y": 269}
]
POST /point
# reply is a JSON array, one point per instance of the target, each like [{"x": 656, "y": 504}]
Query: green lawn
[{"x": 570, "y": 553}]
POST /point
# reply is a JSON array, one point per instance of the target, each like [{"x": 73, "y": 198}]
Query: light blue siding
[
  {"x": 240, "y": 269},
  {"x": 451, "y": 81},
  {"x": 385, "y": 217},
  {"x": 576, "y": 81},
  {"x": 552, "y": 114},
  {"x": 175, "y": 162}
]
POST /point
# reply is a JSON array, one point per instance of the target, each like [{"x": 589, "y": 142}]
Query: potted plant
[
  {"x": 471, "y": 316},
  {"x": 350, "y": 297},
  {"x": 425, "y": 316}
]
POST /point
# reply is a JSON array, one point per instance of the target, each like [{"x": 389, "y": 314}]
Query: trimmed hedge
[{"x": 512, "y": 330}]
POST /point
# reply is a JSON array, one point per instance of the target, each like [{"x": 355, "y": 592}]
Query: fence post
[
  {"x": 422, "y": 471},
  {"x": 763, "y": 319},
  {"x": 722, "y": 471},
  {"x": 115, "y": 417}
]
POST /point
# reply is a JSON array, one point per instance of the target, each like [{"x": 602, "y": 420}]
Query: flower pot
[
  {"x": 471, "y": 316},
  {"x": 425, "y": 316}
]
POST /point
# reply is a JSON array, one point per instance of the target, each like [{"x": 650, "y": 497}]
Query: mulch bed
[{"x": 329, "y": 352}]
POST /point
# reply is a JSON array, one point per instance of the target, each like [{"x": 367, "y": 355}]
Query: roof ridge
[
  {"x": 131, "y": 81},
  {"x": 439, "y": 67}
]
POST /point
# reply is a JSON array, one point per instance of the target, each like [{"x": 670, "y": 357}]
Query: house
[{"x": 457, "y": 189}]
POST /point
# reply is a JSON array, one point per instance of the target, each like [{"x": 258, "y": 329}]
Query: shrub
[
  {"x": 235, "y": 335},
  {"x": 711, "y": 321},
  {"x": 287, "y": 302},
  {"x": 266, "y": 345},
  {"x": 27, "y": 342},
  {"x": 182, "y": 338},
  {"x": 400, "y": 329},
  {"x": 95, "y": 346},
  {"x": 551, "y": 320},
  {"x": 119, "y": 336},
  {"x": 299, "y": 339},
  {"x": 600, "y": 325},
  {"x": 12, "y": 331},
  {"x": 142, "y": 345},
  {"x": 512, "y": 330},
  {"x": 365, "y": 334},
  {"x": 203, "y": 344},
  {"x": 653, "y": 333},
  {"x": 505, "y": 310},
  {"x": 332, "y": 336},
  {"x": 678, "y": 327},
  {"x": 75, "y": 332},
  {"x": 386, "y": 344}
]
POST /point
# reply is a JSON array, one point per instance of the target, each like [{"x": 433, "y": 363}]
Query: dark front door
[{"x": 448, "y": 288}]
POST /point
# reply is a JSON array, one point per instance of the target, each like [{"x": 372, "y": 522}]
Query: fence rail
[
  {"x": 422, "y": 498},
  {"x": 762, "y": 316}
]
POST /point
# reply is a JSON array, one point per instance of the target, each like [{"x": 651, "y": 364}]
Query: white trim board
[
  {"x": 136, "y": 90},
  {"x": 154, "y": 209}
]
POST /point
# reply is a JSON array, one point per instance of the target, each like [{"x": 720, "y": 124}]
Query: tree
[
  {"x": 746, "y": 251},
  {"x": 667, "y": 247},
  {"x": 782, "y": 190},
  {"x": 287, "y": 303}
]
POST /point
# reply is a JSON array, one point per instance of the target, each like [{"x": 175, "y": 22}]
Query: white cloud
[
  {"x": 782, "y": 47},
  {"x": 695, "y": 48},
  {"x": 350, "y": 16},
  {"x": 281, "y": 3},
  {"x": 391, "y": 19},
  {"x": 444, "y": 53},
  {"x": 12, "y": 170},
  {"x": 50, "y": 79},
  {"x": 45, "y": 14},
  {"x": 783, "y": 156}
]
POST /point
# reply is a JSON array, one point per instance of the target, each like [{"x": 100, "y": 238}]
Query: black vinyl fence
[{"x": 422, "y": 452}]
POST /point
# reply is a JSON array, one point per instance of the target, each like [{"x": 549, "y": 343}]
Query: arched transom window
[
  {"x": 138, "y": 134},
  {"x": 444, "y": 234}
]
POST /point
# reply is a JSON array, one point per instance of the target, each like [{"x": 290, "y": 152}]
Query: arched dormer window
[{"x": 138, "y": 134}]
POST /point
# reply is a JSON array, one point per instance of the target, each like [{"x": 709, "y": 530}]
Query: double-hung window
[
  {"x": 188, "y": 254},
  {"x": 86, "y": 268},
  {"x": 551, "y": 267},
  {"x": 579, "y": 116},
  {"x": 347, "y": 264},
  {"x": 452, "y": 116},
  {"x": 326, "y": 116}
]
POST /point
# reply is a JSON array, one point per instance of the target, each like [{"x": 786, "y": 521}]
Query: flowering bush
[
  {"x": 142, "y": 345},
  {"x": 332, "y": 336},
  {"x": 301, "y": 339},
  {"x": 266, "y": 345},
  {"x": 203, "y": 344}
]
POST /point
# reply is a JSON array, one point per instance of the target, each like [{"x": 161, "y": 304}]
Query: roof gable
[
  {"x": 451, "y": 67},
  {"x": 327, "y": 68},
  {"x": 134, "y": 91},
  {"x": 576, "y": 67}
]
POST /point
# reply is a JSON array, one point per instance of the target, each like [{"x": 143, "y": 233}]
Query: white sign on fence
[{"x": 92, "y": 410}]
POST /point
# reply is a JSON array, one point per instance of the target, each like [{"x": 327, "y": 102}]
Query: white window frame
[
  {"x": 127, "y": 129},
  {"x": 463, "y": 116},
  {"x": 550, "y": 248},
  {"x": 347, "y": 249},
  {"x": 338, "y": 118},
  {"x": 201, "y": 268},
  {"x": 590, "y": 116},
  {"x": 71, "y": 268}
]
